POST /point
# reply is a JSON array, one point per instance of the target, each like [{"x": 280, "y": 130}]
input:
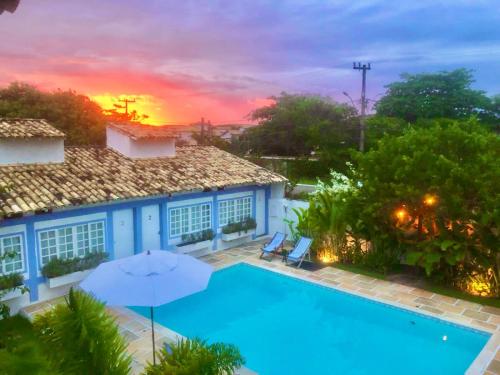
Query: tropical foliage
[
  {"x": 195, "y": 356},
  {"x": 79, "y": 337},
  {"x": 21, "y": 351},
  {"x": 426, "y": 198}
]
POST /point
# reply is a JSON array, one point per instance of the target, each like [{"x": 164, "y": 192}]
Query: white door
[
  {"x": 123, "y": 233},
  {"x": 260, "y": 212},
  {"x": 151, "y": 227}
]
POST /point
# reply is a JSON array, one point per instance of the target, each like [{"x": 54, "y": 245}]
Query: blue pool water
[{"x": 283, "y": 325}]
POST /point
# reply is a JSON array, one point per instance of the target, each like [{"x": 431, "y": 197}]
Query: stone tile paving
[{"x": 137, "y": 330}]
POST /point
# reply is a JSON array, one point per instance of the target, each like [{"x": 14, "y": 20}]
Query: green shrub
[
  {"x": 8, "y": 283},
  {"x": 453, "y": 236},
  {"x": 11, "y": 281},
  {"x": 59, "y": 267},
  {"x": 204, "y": 235},
  {"x": 241, "y": 226},
  {"x": 195, "y": 356},
  {"x": 79, "y": 337}
]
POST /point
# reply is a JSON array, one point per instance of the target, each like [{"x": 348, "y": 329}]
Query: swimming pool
[{"x": 283, "y": 325}]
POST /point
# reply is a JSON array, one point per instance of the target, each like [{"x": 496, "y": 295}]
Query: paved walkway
[{"x": 137, "y": 330}]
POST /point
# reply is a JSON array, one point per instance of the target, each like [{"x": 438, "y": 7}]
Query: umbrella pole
[{"x": 153, "y": 334}]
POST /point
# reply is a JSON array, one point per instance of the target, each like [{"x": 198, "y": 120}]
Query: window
[
  {"x": 192, "y": 219},
  {"x": 12, "y": 245},
  {"x": 234, "y": 210},
  {"x": 89, "y": 238},
  {"x": 71, "y": 241}
]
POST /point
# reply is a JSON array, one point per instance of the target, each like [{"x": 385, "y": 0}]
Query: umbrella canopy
[{"x": 150, "y": 278}]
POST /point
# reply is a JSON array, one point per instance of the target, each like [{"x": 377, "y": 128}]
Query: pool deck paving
[{"x": 137, "y": 329}]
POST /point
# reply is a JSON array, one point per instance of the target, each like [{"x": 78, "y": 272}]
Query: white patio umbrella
[{"x": 151, "y": 278}]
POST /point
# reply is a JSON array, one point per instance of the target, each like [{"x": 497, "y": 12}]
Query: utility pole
[
  {"x": 202, "y": 131},
  {"x": 363, "y": 68},
  {"x": 126, "y": 101}
]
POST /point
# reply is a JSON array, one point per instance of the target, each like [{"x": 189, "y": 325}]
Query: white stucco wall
[
  {"x": 281, "y": 210},
  {"x": 31, "y": 150},
  {"x": 117, "y": 141},
  {"x": 278, "y": 190},
  {"x": 139, "y": 149},
  {"x": 152, "y": 148}
]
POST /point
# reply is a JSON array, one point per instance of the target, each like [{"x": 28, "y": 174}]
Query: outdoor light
[
  {"x": 329, "y": 258},
  {"x": 430, "y": 200},
  {"x": 401, "y": 213}
]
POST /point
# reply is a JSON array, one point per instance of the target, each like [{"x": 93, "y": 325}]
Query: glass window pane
[{"x": 13, "y": 246}]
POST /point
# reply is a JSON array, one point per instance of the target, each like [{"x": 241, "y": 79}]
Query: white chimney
[
  {"x": 139, "y": 141},
  {"x": 29, "y": 141}
]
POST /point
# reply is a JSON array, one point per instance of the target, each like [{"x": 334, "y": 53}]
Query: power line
[
  {"x": 364, "y": 102},
  {"x": 126, "y": 101}
]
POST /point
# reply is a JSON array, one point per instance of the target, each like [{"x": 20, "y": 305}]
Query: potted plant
[
  {"x": 61, "y": 272},
  {"x": 234, "y": 231},
  {"x": 11, "y": 286},
  {"x": 196, "y": 241}
]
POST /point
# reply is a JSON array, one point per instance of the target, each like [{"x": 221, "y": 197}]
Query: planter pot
[
  {"x": 237, "y": 235},
  {"x": 12, "y": 294},
  {"x": 202, "y": 245},
  {"x": 70, "y": 278}
]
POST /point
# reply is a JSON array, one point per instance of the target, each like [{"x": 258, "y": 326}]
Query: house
[
  {"x": 230, "y": 132},
  {"x": 139, "y": 192}
]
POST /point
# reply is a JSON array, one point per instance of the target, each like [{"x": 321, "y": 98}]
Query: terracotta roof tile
[
  {"x": 93, "y": 175},
  {"x": 141, "y": 131},
  {"x": 27, "y": 128}
]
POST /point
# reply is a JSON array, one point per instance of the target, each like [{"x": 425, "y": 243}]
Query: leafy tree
[
  {"x": 298, "y": 125},
  {"x": 379, "y": 126},
  {"x": 453, "y": 235},
  {"x": 81, "y": 119},
  {"x": 437, "y": 95},
  {"x": 79, "y": 337},
  {"x": 195, "y": 356}
]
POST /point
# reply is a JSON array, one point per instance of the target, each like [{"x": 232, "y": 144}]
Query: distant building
[
  {"x": 230, "y": 132},
  {"x": 227, "y": 132}
]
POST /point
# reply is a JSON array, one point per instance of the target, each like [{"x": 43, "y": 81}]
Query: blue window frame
[
  {"x": 234, "y": 210},
  {"x": 190, "y": 219}
]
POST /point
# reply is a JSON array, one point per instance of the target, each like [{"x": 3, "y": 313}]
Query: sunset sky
[{"x": 183, "y": 60}]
